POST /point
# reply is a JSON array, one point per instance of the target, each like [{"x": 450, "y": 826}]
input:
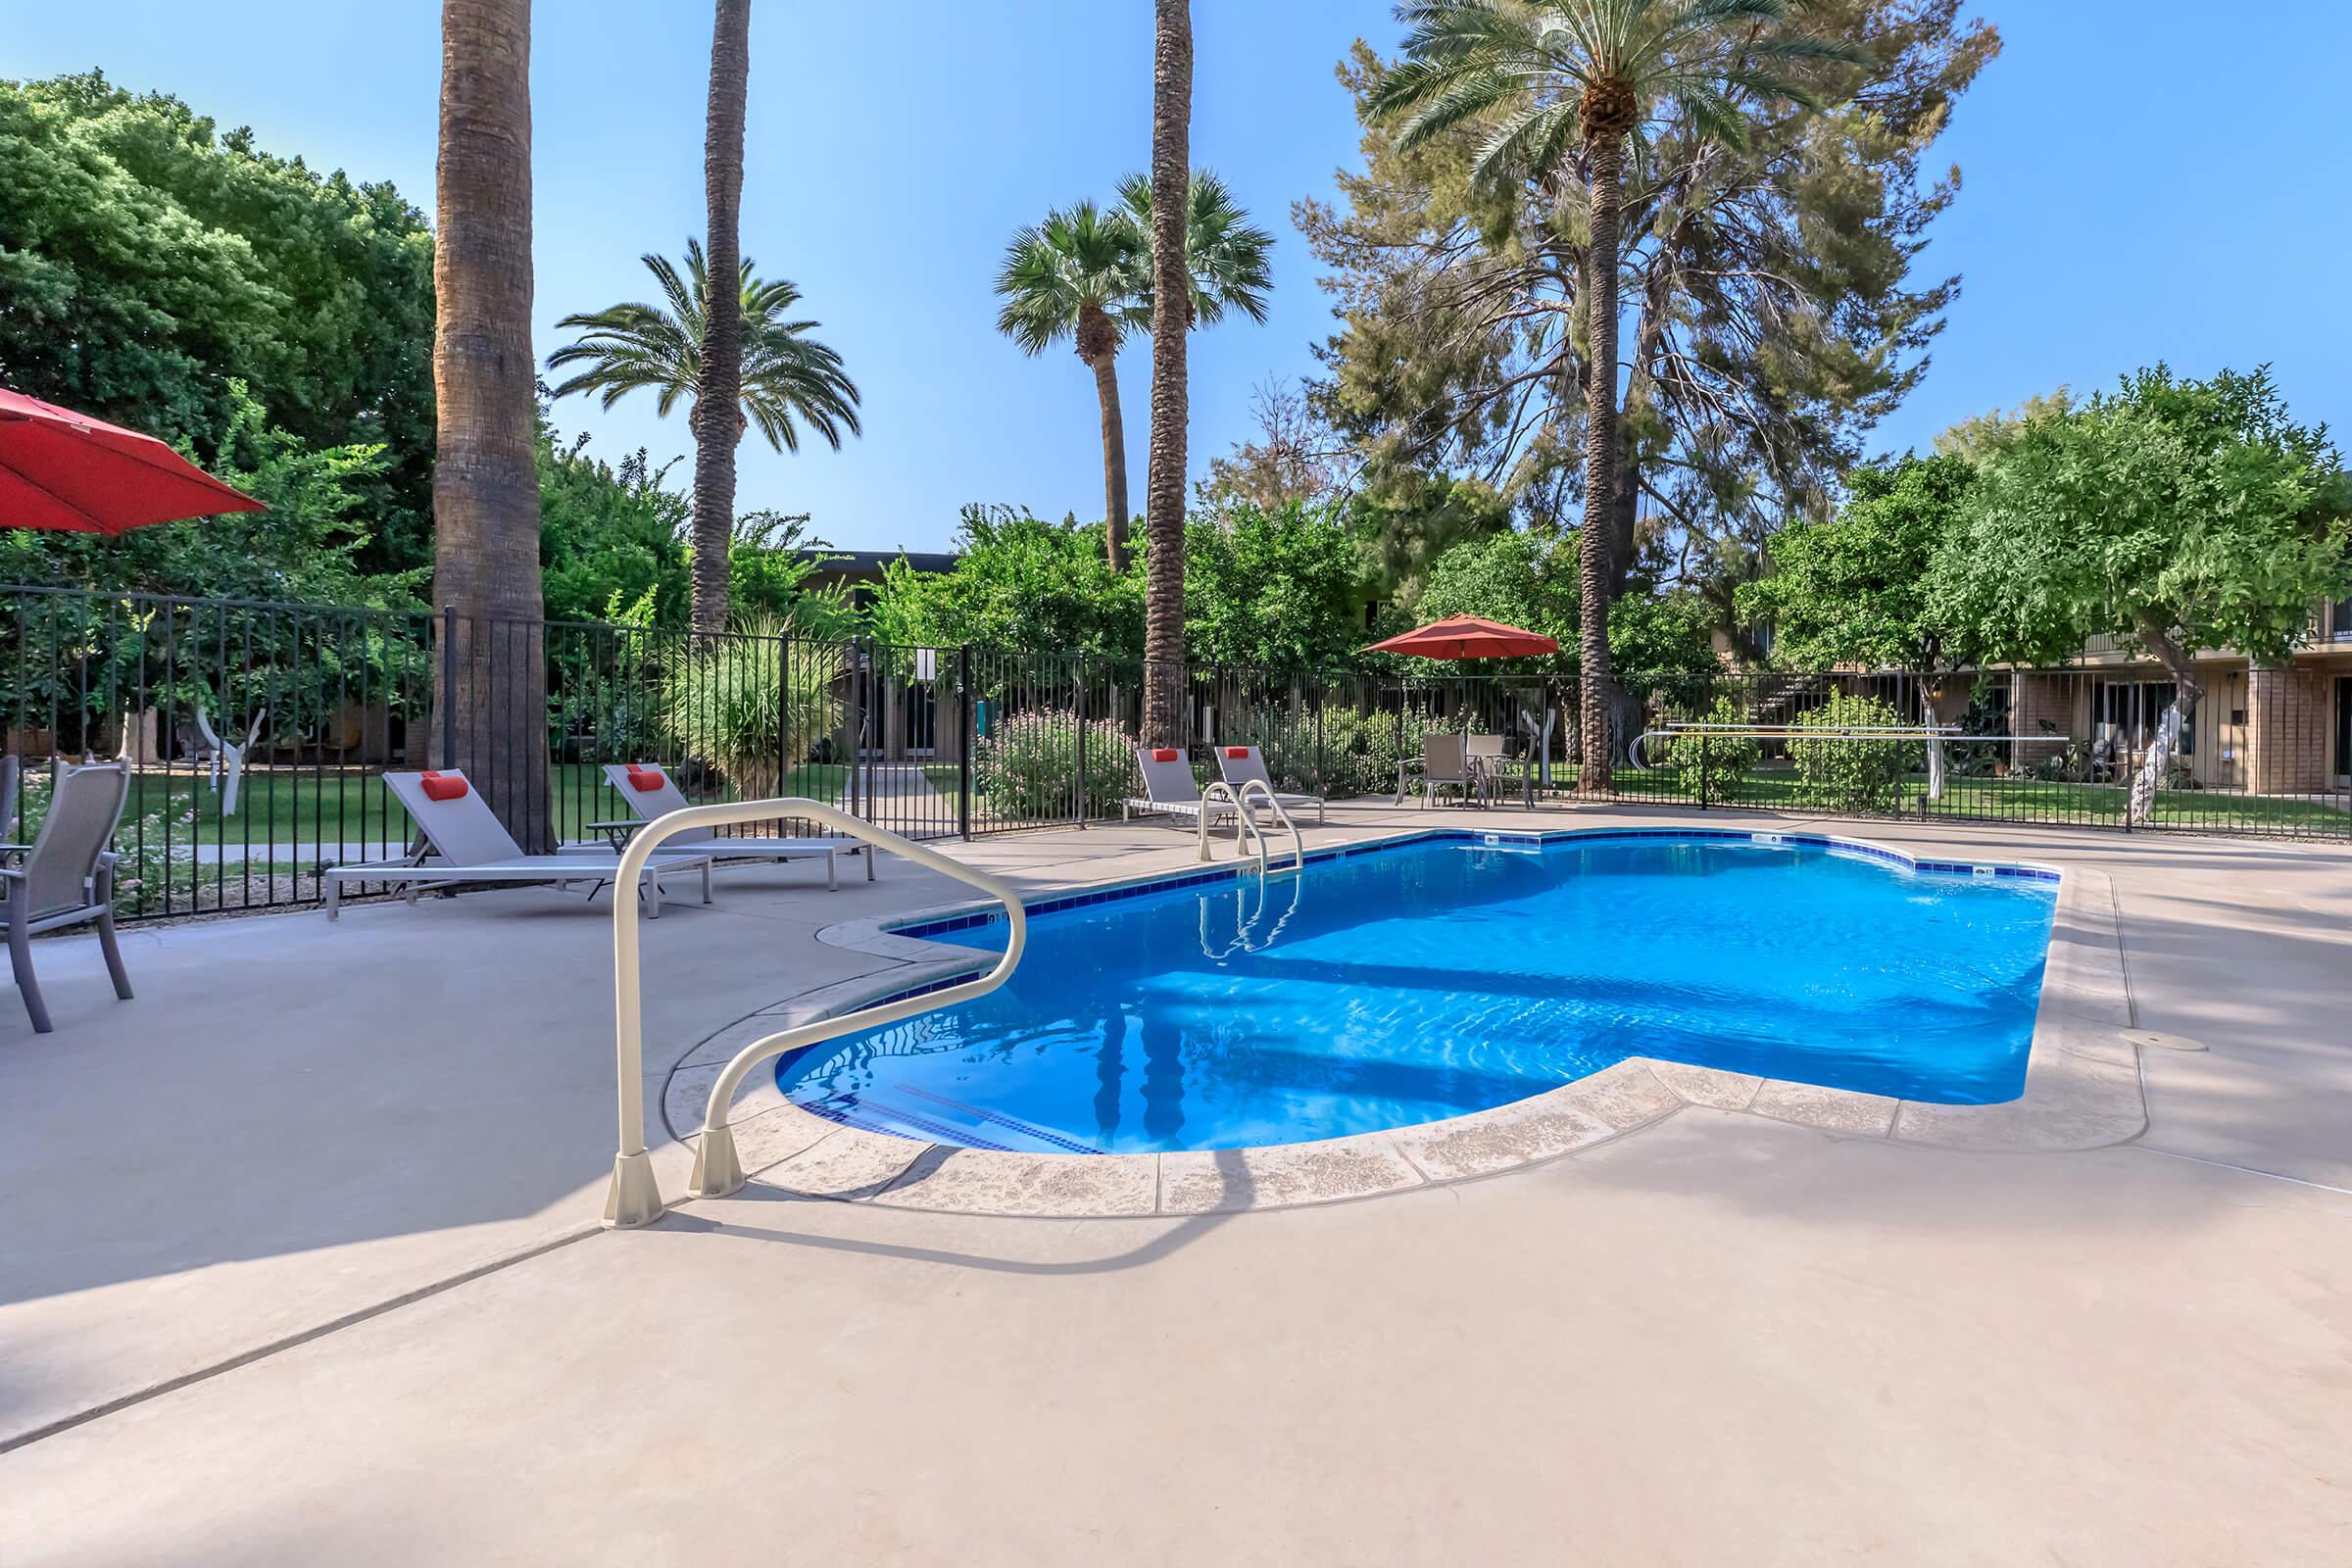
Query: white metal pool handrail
[
  {"x": 635, "y": 1196},
  {"x": 1840, "y": 732},
  {"x": 1219, "y": 790},
  {"x": 1273, "y": 803}
]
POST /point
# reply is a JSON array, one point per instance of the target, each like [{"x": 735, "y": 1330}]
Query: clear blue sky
[{"x": 889, "y": 163}]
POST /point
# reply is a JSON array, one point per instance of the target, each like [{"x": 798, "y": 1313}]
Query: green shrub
[
  {"x": 1027, "y": 769},
  {"x": 1721, "y": 758},
  {"x": 1360, "y": 751},
  {"x": 1852, "y": 776},
  {"x": 749, "y": 704},
  {"x": 1285, "y": 738}
]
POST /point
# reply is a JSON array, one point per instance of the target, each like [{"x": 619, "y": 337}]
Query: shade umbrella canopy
[
  {"x": 68, "y": 472},
  {"x": 1467, "y": 637}
]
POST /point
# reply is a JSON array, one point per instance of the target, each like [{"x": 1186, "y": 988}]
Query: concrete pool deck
[{"x": 385, "y": 1326}]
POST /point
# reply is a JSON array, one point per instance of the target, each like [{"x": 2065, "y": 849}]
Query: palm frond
[{"x": 787, "y": 374}]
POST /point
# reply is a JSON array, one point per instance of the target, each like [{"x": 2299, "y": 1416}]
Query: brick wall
[
  {"x": 2286, "y": 731},
  {"x": 2035, "y": 700}
]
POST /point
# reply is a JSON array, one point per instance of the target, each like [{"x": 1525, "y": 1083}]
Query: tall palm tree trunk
[
  {"x": 1164, "y": 705},
  {"x": 485, "y": 483},
  {"x": 717, "y": 426},
  {"x": 1595, "y": 549},
  {"x": 1114, "y": 458}
]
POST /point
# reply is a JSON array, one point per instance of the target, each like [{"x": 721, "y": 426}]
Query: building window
[{"x": 2129, "y": 712}]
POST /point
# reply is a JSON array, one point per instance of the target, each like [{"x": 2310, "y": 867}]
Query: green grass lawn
[
  {"x": 2003, "y": 799},
  {"x": 290, "y": 806},
  {"x": 302, "y": 805}
]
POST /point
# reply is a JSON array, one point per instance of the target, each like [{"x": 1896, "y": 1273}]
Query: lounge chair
[
  {"x": 463, "y": 842},
  {"x": 1446, "y": 764},
  {"x": 1170, "y": 790},
  {"x": 1241, "y": 764},
  {"x": 650, "y": 792},
  {"x": 67, "y": 878}
]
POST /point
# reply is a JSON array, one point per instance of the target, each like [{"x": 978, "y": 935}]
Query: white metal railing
[
  {"x": 1935, "y": 737},
  {"x": 1219, "y": 790},
  {"x": 1274, "y": 804},
  {"x": 1842, "y": 732},
  {"x": 635, "y": 1196},
  {"x": 1246, "y": 826}
]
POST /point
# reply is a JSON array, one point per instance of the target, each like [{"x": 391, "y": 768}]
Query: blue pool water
[{"x": 1444, "y": 976}]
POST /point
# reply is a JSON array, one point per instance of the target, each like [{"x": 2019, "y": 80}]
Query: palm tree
[
  {"x": 1086, "y": 276},
  {"x": 1546, "y": 81},
  {"x": 789, "y": 378},
  {"x": 786, "y": 378},
  {"x": 1227, "y": 259},
  {"x": 486, "y": 481},
  {"x": 722, "y": 345},
  {"x": 1164, "y": 706},
  {"x": 1078, "y": 276}
]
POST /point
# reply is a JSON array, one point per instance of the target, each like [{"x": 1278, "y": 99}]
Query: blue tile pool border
[{"x": 935, "y": 926}]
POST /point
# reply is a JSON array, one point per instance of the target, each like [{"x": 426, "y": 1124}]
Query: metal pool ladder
[
  {"x": 1247, "y": 828},
  {"x": 635, "y": 1197}
]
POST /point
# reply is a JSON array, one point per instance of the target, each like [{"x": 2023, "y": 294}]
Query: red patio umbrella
[
  {"x": 1467, "y": 637},
  {"x": 66, "y": 471},
  {"x": 1475, "y": 637}
]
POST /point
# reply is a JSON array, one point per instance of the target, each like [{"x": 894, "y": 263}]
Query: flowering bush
[{"x": 1027, "y": 769}]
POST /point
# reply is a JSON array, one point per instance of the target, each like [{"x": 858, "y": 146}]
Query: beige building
[{"x": 2265, "y": 729}]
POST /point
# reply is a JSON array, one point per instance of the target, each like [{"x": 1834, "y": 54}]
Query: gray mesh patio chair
[
  {"x": 11, "y": 777},
  {"x": 652, "y": 793},
  {"x": 1243, "y": 764},
  {"x": 1486, "y": 757},
  {"x": 1169, "y": 788},
  {"x": 1446, "y": 764},
  {"x": 465, "y": 841},
  {"x": 68, "y": 878}
]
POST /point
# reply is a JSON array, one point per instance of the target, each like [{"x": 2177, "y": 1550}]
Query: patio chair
[
  {"x": 1446, "y": 764},
  {"x": 1241, "y": 764},
  {"x": 1486, "y": 755},
  {"x": 463, "y": 842},
  {"x": 68, "y": 878},
  {"x": 651, "y": 793},
  {"x": 1170, "y": 790}
]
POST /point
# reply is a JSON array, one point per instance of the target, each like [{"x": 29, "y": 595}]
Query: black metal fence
[
  {"x": 312, "y": 702},
  {"x": 2262, "y": 751}
]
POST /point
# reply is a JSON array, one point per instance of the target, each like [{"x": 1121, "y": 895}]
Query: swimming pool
[{"x": 1406, "y": 982}]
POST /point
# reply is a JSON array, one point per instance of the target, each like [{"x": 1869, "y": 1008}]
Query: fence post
[
  {"x": 1703, "y": 761},
  {"x": 449, "y": 685},
  {"x": 1322, "y": 779},
  {"x": 860, "y": 700},
  {"x": 783, "y": 720},
  {"x": 964, "y": 736},
  {"x": 1078, "y": 707}
]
